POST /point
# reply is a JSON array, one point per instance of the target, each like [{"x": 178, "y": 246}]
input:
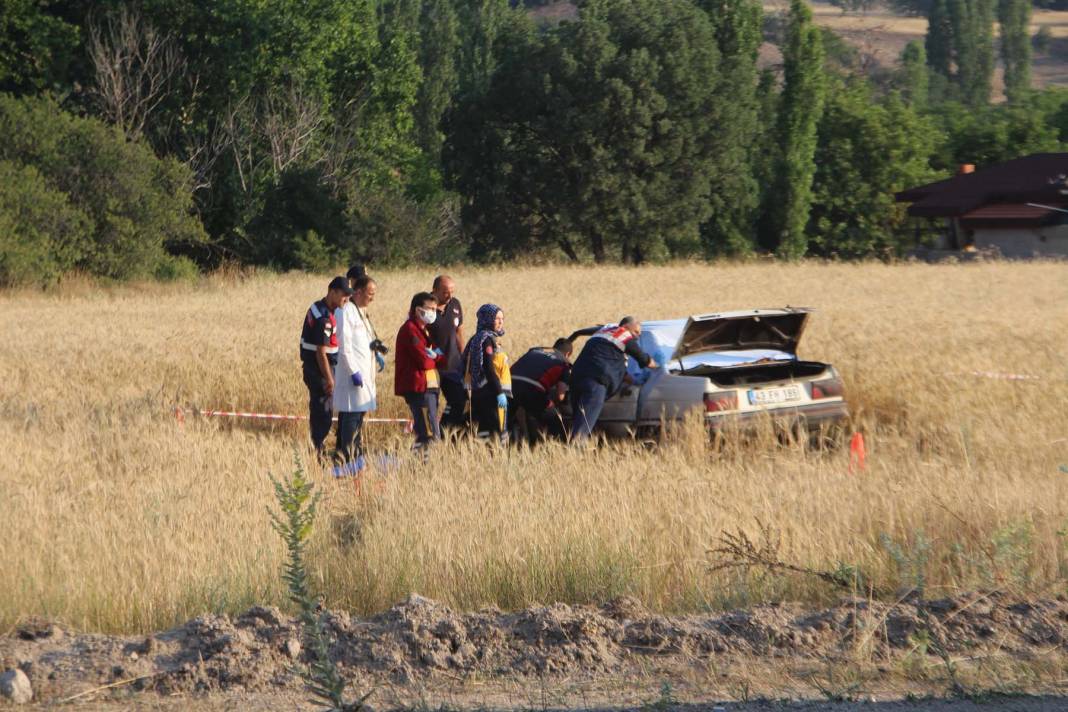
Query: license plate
[{"x": 772, "y": 396}]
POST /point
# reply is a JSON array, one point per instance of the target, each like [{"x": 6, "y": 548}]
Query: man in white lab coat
[{"x": 355, "y": 391}]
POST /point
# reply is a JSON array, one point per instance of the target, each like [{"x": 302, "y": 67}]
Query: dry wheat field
[{"x": 116, "y": 517}]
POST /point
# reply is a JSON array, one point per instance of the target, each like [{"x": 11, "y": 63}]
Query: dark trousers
[
  {"x": 533, "y": 415},
  {"x": 349, "y": 437},
  {"x": 320, "y": 407},
  {"x": 454, "y": 415},
  {"x": 587, "y": 401},
  {"x": 424, "y": 409},
  {"x": 486, "y": 414}
]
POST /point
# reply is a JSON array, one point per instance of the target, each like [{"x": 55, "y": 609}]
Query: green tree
[
  {"x": 482, "y": 23},
  {"x": 766, "y": 154},
  {"x": 1014, "y": 16},
  {"x": 735, "y": 197},
  {"x": 992, "y": 134},
  {"x": 799, "y": 114},
  {"x": 137, "y": 204},
  {"x": 439, "y": 48},
  {"x": 868, "y": 150},
  {"x": 598, "y": 135},
  {"x": 41, "y": 234},
  {"x": 272, "y": 85},
  {"x": 939, "y": 40},
  {"x": 36, "y": 46},
  {"x": 915, "y": 76},
  {"x": 972, "y": 24}
]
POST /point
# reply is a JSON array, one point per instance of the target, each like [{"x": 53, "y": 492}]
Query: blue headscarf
[{"x": 486, "y": 316}]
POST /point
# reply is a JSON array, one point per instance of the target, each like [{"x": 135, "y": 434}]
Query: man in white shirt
[{"x": 355, "y": 390}]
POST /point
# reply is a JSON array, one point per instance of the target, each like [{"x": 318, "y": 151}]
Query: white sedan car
[{"x": 734, "y": 367}]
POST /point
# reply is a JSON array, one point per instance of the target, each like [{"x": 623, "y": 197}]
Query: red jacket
[{"x": 412, "y": 361}]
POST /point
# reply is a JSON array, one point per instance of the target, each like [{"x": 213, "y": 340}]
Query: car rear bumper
[{"x": 810, "y": 414}]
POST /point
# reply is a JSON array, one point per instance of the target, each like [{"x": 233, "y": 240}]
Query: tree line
[{"x": 158, "y": 138}]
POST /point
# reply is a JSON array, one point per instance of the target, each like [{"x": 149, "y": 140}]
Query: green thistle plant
[{"x": 294, "y": 525}]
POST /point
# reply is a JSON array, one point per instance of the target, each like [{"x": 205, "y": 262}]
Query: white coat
[{"x": 354, "y": 337}]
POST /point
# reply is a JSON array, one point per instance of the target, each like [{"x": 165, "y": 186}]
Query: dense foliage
[
  {"x": 118, "y": 207},
  {"x": 140, "y": 136},
  {"x": 622, "y": 164}
]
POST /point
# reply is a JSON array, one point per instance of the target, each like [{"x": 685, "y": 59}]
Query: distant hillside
[{"x": 881, "y": 36}]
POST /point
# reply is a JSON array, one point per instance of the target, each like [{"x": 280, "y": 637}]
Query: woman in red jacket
[{"x": 416, "y": 377}]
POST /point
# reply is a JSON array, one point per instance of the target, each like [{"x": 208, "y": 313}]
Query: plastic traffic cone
[
  {"x": 179, "y": 415},
  {"x": 857, "y": 453}
]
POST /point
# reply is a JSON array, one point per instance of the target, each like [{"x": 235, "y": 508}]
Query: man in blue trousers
[{"x": 600, "y": 370}]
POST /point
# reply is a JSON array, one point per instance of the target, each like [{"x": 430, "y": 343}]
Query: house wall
[{"x": 1025, "y": 242}]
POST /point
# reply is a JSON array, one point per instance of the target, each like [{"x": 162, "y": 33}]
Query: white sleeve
[{"x": 347, "y": 333}]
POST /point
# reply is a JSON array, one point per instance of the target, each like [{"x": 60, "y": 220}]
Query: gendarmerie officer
[
  {"x": 539, "y": 384},
  {"x": 600, "y": 371},
  {"x": 318, "y": 356}
]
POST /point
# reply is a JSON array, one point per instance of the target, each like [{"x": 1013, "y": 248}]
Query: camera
[{"x": 378, "y": 347}]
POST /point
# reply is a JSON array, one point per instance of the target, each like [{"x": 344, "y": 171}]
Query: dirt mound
[{"x": 420, "y": 637}]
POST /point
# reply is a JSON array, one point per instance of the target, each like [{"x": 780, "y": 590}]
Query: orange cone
[
  {"x": 179, "y": 415},
  {"x": 857, "y": 453}
]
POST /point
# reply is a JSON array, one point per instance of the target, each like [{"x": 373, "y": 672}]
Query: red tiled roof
[{"x": 1038, "y": 178}]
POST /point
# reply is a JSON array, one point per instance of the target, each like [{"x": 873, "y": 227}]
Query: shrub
[
  {"x": 176, "y": 268},
  {"x": 41, "y": 234},
  {"x": 300, "y": 225},
  {"x": 391, "y": 228},
  {"x": 1043, "y": 39},
  {"x": 136, "y": 204}
]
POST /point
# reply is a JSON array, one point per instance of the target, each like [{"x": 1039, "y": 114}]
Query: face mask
[{"x": 428, "y": 316}]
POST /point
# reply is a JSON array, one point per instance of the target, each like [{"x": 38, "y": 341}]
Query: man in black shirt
[
  {"x": 318, "y": 356},
  {"x": 448, "y": 335}
]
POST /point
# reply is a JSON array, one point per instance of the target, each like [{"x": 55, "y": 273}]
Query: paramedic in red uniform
[
  {"x": 318, "y": 356},
  {"x": 416, "y": 376}
]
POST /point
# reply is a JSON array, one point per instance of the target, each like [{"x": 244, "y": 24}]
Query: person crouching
[
  {"x": 488, "y": 375},
  {"x": 416, "y": 378},
  {"x": 355, "y": 390},
  {"x": 540, "y": 378}
]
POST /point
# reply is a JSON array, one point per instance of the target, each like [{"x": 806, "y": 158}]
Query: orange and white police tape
[{"x": 997, "y": 376}]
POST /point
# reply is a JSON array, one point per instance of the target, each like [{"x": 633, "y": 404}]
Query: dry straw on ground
[{"x": 116, "y": 518}]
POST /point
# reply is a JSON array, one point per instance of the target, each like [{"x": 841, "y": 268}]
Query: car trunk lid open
[{"x": 758, "y": 329}]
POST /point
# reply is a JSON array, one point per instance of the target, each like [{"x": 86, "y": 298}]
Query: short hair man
[
  {"x": 447, "y": 333},
  {"x": 601, "y": 370},
  {"x": 355, "y": 390},
  {"x": 539, "y": 384},
  {"x": 318, "y": 356},
  {"x": 416, "y": 376}
]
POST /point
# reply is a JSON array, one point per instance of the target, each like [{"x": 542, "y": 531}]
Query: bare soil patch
[{"x": 421, "y": 643}]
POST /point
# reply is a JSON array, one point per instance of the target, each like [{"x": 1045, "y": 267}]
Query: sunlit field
[{"x": 118, "y": 517}]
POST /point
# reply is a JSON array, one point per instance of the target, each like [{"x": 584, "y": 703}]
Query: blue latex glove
[
  {"x": 357, "y": 379},
  {"x": 432, "y": 353},
  {"x": 380, "y": 360},
  {"x": 502, "y": 400}
]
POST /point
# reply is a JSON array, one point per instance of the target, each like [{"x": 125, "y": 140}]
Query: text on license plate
[{"x": 771, "y": 396}]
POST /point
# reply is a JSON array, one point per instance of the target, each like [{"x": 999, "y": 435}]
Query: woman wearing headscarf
[{"x": 487, "y": 374}]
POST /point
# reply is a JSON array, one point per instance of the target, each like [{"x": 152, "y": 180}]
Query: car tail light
[
  {"x": 828, "y": 388},
  {"x": 721, "y": 401}
]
